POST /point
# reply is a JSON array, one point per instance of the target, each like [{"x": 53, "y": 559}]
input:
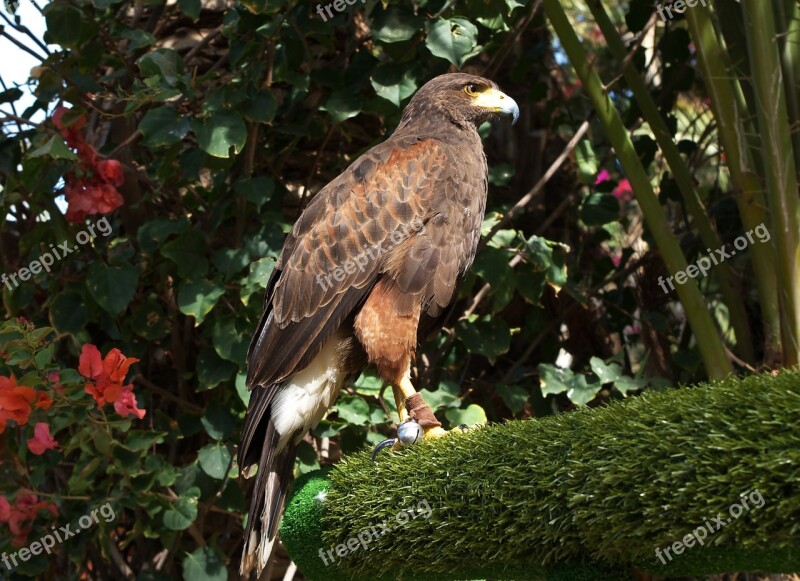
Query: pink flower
[
  {"x": 603, "y": 176},
  {"x": 623, "y": 192},
  {"x": 126, "y": 404},
  {"x": 42, "y": 440}
]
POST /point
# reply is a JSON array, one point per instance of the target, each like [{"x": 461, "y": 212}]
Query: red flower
[
  {"x": 42, "y": 440},
  {"x": 126, "y": 404},
  {"x": 5, "y": 509},
  {"x": 20, "y": 517},
  {"x": 623, "y": 191},
  {"x": 94, "y": 189},
  {"x": 85, "y": 197},
  {"x": 15, "y": 402},
  {"x": 111, "y": 171},
  {"x": 107, "y": 376}
]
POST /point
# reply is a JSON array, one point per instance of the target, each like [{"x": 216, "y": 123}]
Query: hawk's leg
[{"x": 410, "y": 405}]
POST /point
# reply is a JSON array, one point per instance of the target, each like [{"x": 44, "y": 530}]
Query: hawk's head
[{"x": 462, "y": 98}]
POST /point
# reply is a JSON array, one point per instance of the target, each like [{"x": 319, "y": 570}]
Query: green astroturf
[{"x": 583, "y": 495}]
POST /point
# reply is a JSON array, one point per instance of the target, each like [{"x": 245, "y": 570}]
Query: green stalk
[
  {"x": 708, "y": 339},
  {"x": 781, "y": 172},
  {"x": 725, "y": 104},
  {"x": 787, "y": 20},
  {"x": 730, "y": 286}
]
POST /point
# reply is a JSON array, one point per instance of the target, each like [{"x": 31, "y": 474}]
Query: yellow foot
[{"x": 435, "y": 432}]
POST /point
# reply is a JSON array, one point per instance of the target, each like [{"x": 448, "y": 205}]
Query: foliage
[
  {"x": 607, "y": 485},
  {"x": 225, "y": 119}
]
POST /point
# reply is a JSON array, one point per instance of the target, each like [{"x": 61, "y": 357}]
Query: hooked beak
[{"x": 498, "y": 102}]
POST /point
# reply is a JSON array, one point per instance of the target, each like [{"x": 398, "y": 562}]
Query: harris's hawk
[{"x": 367, "y": 270}]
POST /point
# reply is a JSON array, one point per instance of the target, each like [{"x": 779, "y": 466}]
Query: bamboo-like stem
[
  {"x": 726, "y": 99},
  {"x": 787, "y": 21},
  {"x": 731, "y": 289},
  {"x": 709, "y": 341},
  {"x": 781, "y": 173}
]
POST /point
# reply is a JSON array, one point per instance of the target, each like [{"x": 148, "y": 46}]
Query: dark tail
[{"x": 273, "y": 480}]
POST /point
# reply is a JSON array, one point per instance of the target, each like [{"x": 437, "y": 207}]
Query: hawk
[{"x": 367, "y": 270}]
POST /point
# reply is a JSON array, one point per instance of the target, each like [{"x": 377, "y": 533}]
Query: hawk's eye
[{"x": 471, "y": 90}]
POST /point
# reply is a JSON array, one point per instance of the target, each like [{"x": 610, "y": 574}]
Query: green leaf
[
  {"x": 514, "y": 396},
  {"x": 221, "y": 132},
  {"x": 230, "y": 342},
  {"x": 190, "y": 8},
  {"x": 151, "y": 235},
  {"x": 214, "y": 460},
  {"x": 218, "y": 422},
  {"x": 490, "y": 338},
  {"x": 113, "y": 287},
  {"x": 188, "y": 252},
  {"x": 163, "y": 126},
  {"x": 164, "y": 63},
  {"x": 211, "y": 369},
  {"x": 229, "y": 261},
  {"x": 369, "y": 384},
  {"x": 342, "y": 105},
  {"x": 395, "y": 24},
  {"x": 393, "y": 82},
  {"x": 54, "y": 148},
  {"x": 261, "y": 108},
  {"x": 196, "y": 298},
  {"x": 446, "y": 396},
  {"x": 241, "y": 388},
  {"x": 606, "y": 373},
  {"x": 68, "y": 312},
  {"x": 139, "y": 440},
  {"x": 65, "y": 25},
  {"x": 472, "y": 415},
  {"x": 353, "y": 410},
  {"x": 260, "y": 271},
  {"x": 454, "y": 40},
  {"x": 182, "y": 513},
  {"x": 148, "y": 320},
  {"x": 599, "y": 209},
  {"x": 555, "y": 380},
  {"x": 204, "y": 565},
  {"x": 256, "y": 190},
  {"x": 544, "y": 257},
  {"x": 626, "y": 384},
  {"x": 581, "y": 391}
]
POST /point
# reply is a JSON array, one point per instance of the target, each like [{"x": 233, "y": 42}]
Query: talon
[
  {"x": 382, "y": 445},
  {"x": 408, "y": 433},
  {"x": 463, "y": 427}
]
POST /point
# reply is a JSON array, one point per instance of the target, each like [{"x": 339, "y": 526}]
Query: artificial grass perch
[{"x": 586, "y": 494}]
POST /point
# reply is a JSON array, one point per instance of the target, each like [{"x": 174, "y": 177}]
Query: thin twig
[
  {"x": 202, "y": 44},
  {"x": 551, "y": 171},
  {"x": 22, "y": 46},
  {"x": 190, "y": 407},
  {"x": 25, "y": 30}
]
